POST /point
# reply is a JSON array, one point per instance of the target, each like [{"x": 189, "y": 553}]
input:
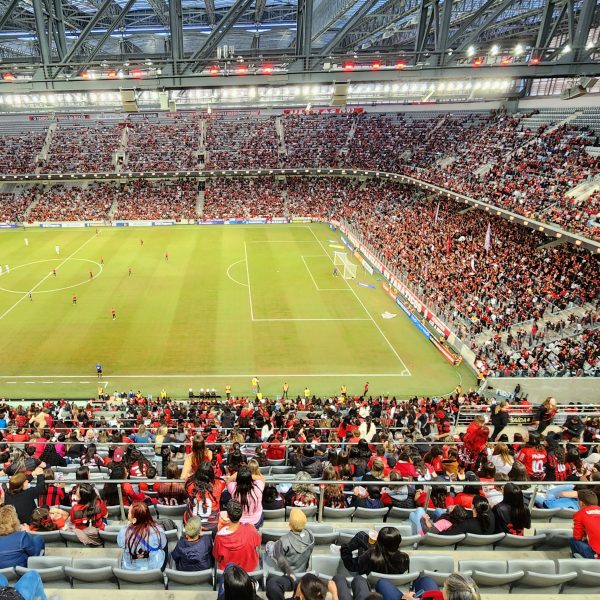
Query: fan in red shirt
[
  {"x": 89, "y": 510},
  {"x": 474, "y": 442},
  {"x": 534, "y": 457},
  {"x": 586, "y": 526}
]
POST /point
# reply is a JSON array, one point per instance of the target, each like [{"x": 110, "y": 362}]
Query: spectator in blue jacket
[
  {"x": 16, "y": 546},
  {"x": 193, "y": 551}
]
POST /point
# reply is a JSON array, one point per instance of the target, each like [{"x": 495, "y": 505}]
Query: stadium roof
[{"x": 54, "y": 41}]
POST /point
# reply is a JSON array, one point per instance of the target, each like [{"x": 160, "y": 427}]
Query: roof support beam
[
  {"x": 210, "y": 11},
  {"x": 218, "y": 33},
  {"x": 304, "y": 22},
  {"x": 341, "y": 34},
  {"x": 469, "y": 21},
  {"x": 83, "y": 36},
  {"x": 41, "y": 28},
  {"x": 489, "y": 19},
  {"x": 8, "y": 13},
  {"x": 441, "y": 39},
  {"x": 176, "y": 30},
  {"x": 116, "y": 22},
  {"x": 259, "y": 10},
  {"x": 584, "y": 24},
  {"x": 426, "y": 14},
  {"x": 58, "y": 29}
]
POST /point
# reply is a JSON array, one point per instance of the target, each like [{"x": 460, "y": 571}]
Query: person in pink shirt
[{"x": 248, "y": 492}]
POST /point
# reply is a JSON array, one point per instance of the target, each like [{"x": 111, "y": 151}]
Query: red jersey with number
[{"x": 534, "y": 461}]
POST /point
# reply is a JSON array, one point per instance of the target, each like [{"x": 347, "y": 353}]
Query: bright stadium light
[
  {"x": 471, "y": 51},
  {"x": 519, "y": 49},
  {"x": 566, "y": 49},
  {"x": 495, "y": 49}
]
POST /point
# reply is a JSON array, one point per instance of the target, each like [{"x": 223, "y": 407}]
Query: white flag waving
[{"x": 488, "y": 238}]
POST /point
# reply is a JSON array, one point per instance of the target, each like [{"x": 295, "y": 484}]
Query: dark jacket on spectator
[
  {"x": 193, "y": 556},
  {"x": 24, "y": 501}
]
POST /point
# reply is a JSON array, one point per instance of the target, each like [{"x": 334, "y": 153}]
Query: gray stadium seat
[
  {"x": 281, "y": 469},
  {"x": 325, "y": 565},
  {"x": 109, "y": 536},
  {"x": 51, "y": 538},
  {"x": 439, "y": 568},
  {"x": 520, "y": 541},
  {"x": 539, "y": 574},
  {"x": 276, "y": 462},
  {"x": 323, "y": 534},
  {"x": 397, "y": 580},
  {"x": 338, "y": 513},
  {"x": 399, "y": 514},
  {"x": 51, "y": 569},
  {"x": 588, "y": 574},
  {"x": 490, "y": 573},
  {"x": 271, "y": 535},
  {"x": 9, "y": 573},
  {"x": 114, "y": 512},
  {"x": 433, "y": 539},
  {"x": 139, "y": 579},
  {"x": 309, "y": 511},
  {"x": 98, "y": 572},
  {"x": 555, "y": 538},
  {"x": 170, "y": 512},
  {"x": 274, "y": 515},
  {"x": 473, "y": 539},
  {"x": 544, "y": 514},
  {"x": 369, "y": 514},
  {"x": 184, "y": 579}
]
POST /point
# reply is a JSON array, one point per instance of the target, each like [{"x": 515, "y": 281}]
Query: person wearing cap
[
  {"x": 293, "y": 550},
  {"x": 193, "y": 551},
  {"x": 237, "y": 542},
  {"x": 586, "y": 526}
]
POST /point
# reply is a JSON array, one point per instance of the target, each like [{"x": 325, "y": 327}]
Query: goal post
[{"x": 344, "y": 265}]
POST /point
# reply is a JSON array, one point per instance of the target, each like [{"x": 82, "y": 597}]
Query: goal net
[{"x": 343, "y": 265}]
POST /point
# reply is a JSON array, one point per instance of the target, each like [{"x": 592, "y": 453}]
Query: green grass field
[{"x": 231, "y": 302}]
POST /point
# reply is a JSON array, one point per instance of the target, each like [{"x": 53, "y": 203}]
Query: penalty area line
[{"x": 207, "y": 375}]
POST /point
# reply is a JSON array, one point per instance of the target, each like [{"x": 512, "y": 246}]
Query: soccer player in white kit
[
  {"x": 57, "y": 249},
  {"x": 27, "y": 241}
]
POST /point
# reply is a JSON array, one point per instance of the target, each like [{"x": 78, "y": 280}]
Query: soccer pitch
[{"x": 227, "y": 303}]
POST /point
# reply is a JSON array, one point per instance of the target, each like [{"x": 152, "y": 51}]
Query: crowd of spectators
[
  {"x": 374, "y": 452},
  {"x": 82, "y": 149},
  {"x": 164, "y": 146},
  {"x": 18, "y": 151},
  {"x": 259, "y": 197},
  {"x": 241, "y": 142},
  {"x": 73, "y": 203},
  {"x": 145, "y": 199},
  {"x": 13, "y": 205}
]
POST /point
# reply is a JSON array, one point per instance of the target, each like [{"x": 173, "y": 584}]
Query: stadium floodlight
[
  {"x": 519, "y": 49},
  {"x": 344, "y": 265},
  {"x": 471, "y": 51},
  {"x": 566, "y": 49},
  {"x": 494, "y": 50}
]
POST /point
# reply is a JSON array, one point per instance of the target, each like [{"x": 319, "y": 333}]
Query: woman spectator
[
  {"x": 53, "y": 494},
  {"x": 142, "y": 436},
  {"x": 482, "y": 522},
  {"x": 143, "y": 541},
  {"x": 499, "y": 418},
  {"x": 533, "y": 455},
  {"x": 272, "y": 499},
  {"x": 422, "y": 522},
  {"x": 474, "y": 442},
  {"x": 203, "y": 493},
  {"x": 129, "y": 493},
  {"x": 16, "y": 546},
  {"x": 382, "y": 555},
  {"x": 22, "y": 496},
  {"x": 469, "y": 492},
  {"x": 249, "y": 494},
  {"x": 502, "y": 459},
  {"x": 302, "y": 494},
  {"x": 377, "y": 471},
  {"x": 91, "y": 459},
  {"x": 88, "y": 514},
  {"x": 367, "y": 430},
  {"x": 333, "y": 493},
  {"x": 546, "y": 414},
  {"x": 238, "y": 585},
  {"x": 198, "y": 455},
  {"x": 511, "y": 515},
  {"x": 168, "y": 493},
  {"x": 456, "y": 587},
  {"x": 439, "y": 497}
]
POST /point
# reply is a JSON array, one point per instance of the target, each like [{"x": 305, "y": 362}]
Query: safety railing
[
  {"x": 530, "y": 488},
  {"x": 525, "y": 415}
]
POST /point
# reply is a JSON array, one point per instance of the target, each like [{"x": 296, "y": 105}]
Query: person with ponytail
[
  {"x": 482, "y": 522},
  {"x": 310, "y": 587},
  {"x": 143, "y": 541},
  {"x": 198, "y": 455},
  {"x": 511, "y": 515}
]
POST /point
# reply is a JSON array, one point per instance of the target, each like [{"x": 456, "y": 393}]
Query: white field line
[
  {"x": 248, "y": 277},
  {"x": 26, "y": 295},
  {"x": 406, "y": 369},
  {"x": 344, "y": 289},
  {"x": 229, "y": 275},
  {"x": 203, "y": 375},
  {"x": 316, "y": 319}
]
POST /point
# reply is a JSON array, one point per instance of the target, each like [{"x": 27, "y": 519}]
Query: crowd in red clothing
[
  {"x": 82, "y": 149},
  {"x": 73, "y": 203},
  {"x": 18, "y": 152}
]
